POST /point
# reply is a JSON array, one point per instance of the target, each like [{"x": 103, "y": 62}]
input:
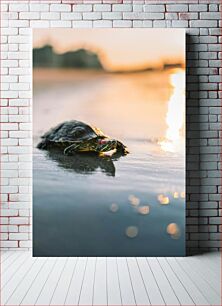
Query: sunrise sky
[{"x": 119, "y": 49}]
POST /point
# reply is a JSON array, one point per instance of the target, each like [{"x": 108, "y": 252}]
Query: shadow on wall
[{"x": 193, "y": 171}]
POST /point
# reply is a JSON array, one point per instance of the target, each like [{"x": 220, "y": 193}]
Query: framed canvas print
[{"x": 109, "y": 142}]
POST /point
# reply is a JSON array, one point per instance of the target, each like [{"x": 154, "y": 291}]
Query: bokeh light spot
[
  {"x": 143, "y": 210},
  {"x": 114, "y": 207},
  {"x": 132, "y": 231}
]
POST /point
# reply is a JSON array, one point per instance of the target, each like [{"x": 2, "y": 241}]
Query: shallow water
[{"x": 87, "y": 207}]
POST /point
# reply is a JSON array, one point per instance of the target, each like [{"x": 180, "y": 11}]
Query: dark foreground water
[{"x": 88, "y": 206}]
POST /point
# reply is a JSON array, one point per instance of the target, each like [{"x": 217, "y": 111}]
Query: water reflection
[
  {"x": 133, "y": 200},
  {"x": 173, "y": 230},
  {"x": 143, "y": 210},
  {"x": 163, "y": 199},
  {"x": 183, "y": 194},
  {"x": 84, "y": 163},
  {"x": 114, "y": 207},
  {"x": 174, "y": 138},
  {"x": 176, "y": 195},
  {"x": 132, "y": 231}
]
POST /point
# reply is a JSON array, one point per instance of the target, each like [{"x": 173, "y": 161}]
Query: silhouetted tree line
[{"x": 46, "y": 57}]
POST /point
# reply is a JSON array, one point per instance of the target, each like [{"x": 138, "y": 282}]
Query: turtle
[{"x": 75, "y": 136}]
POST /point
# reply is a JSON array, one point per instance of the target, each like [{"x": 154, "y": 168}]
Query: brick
[
  {"x": 9, "y": 212},
  {"x": 82, "y": 8},
  {"x": 25, "y": 244},
  {"x": 215, "y": 220},
  {"x": 24, "y": 229},
  {"x": 18, "y": 236},
  {"x": 39, "y": 24},
  {"x": 102, "y": 24},
  {"x": 177, "y": 8},
  {"x": 82, "y": 24},
  {"x": 102, "y": 7},
  {"x": 180, "y": 23},
  {"x": 8, "y": 142},
  {"x": 187, "y": 16},
  {"x": 138, "y": 23},
  {"x": 4, "y": 236},
  {"x": 122, "y": 23},
  {"x": 29, "y": 15},
  {"x": 18, "y": 23},
  {"x": 18, "y": 55},
  {"x": 19, "y": 102},
  {"x": 215, "y": 63},
  {"x": 17, "y": 39},
  {"x": 71, "y": 16},
  {"x": 19, "y": 134},
  {"x": 204, "y": 31},
  {"x": 60, "y": 8},
  {"x": 210, "y": 205},
  {"x": 52, "y": 15},
  {"x": 199, "y": 236},
  {"x": 4, "y": 102},
  {"x": 25, "y": 47},
  {"x": 18, "y": 7},
  {"x": 159, "y": 23},
  {"x": 25, "y": 126},
  {"x": 134, "y": 15},
  {"x": 9, "y": 31},
  {"x": 19, "y": 118},
  {"x": 24, "y": 212},
  {"x": 18, "y": 220},
  {"x": 213, "y": 7},
  {"x": 20, "y": 86},
  {"x": 9, "y": 244},
  {"x": 9, "y": 173},
  {"x": 9, "y": 63},
  {"x": 112, "y": 15},
  {"x": 215, "y": 236},
  {"x": 137, "y": 7},
  {"x": 92, "y": 15},
  {"x": 154, "y": 8},
  {"x": 60, "y": 24},
  {"x": 4, "y": 7},
  {"x": 37, "y": 7},
  {"x": 207, "y": 15},
  {"x": 203, "y": 23},
  {"x": 208, "y": 39},
  {"x": 4, "y": 23},
  {"x": 8, "y": 228},
  {"x": 171, "y": 16},
  {"x": 217, "y": 31},
  {"x": 197, "y": 7},
  {"x": 147, "y": 24},
  {"x": 19, "y": 149},
  {"x": 215, "y": 78},
  {"x": 207, "y": 55},
  {"x": 9, "y": 126},
  {"x": 122, "y": 8}
]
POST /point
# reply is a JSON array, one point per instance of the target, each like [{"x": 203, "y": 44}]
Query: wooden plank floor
[{"x": 192, "y": 280}]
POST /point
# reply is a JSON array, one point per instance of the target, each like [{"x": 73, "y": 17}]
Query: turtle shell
[{"x": 71, "y": 131}]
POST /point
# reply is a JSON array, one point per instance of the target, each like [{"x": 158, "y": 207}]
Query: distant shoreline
[{"x": 42, "y": 74}]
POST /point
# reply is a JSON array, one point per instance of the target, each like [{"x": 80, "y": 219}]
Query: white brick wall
[{"x": 204, "y": 91}]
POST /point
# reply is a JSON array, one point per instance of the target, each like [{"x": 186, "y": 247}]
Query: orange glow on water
[
  {"x": 143, "y": 210},
  {"x": 175, "y": 118},
  {"x": 134, "y": 200},
  {"x": 163, "y": 199},
  {"x": 173, "y": 230}
]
